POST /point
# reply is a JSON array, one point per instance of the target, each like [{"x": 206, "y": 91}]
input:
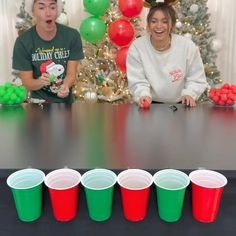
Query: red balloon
[
  {"x": 131, "y": 8},
  {"x": 121, "y": 58},
  {"x": 121, "y": 32}
]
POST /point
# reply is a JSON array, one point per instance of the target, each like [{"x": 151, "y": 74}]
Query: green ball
[
  {"x": 7, "y": 85},
  {"x": 11, "y": 94},
  {"x": 23, "y": 89},
  {"x": 6, "y": 98},
  {"x": 2, "y": 91},
  {"x": 19, "y": 100},
  {"x": 13, "y": 98}
]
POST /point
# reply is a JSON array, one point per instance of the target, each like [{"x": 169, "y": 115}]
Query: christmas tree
[
  {"x": 24, "y": 20},
  {"x": 102, "y": 76},
  {"x": 193, "y": 22}
]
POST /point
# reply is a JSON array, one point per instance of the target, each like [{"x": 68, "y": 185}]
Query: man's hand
[
  {"x": 43, "y": 80},
  {"x": 63, "y": 91}
]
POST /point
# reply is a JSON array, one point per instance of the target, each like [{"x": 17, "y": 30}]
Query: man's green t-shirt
[{"x": 32, "y": 53}]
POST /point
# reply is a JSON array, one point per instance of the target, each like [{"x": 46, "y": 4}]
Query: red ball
[
  {"x": 131, "y": 8},
  {"x": 121, "y": 32},
  {"x": 225, "y": 86},
  {"x": 121, "y": 58},
  {"x": 215, "y": 98},
  {"x": 146, "y": 104}
]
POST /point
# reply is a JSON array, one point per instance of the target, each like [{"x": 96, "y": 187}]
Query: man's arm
[
  {"x": 34, "y": 84},
  {"x": 69, "y": 80}
]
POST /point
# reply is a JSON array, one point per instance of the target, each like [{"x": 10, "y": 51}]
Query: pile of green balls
[{"x": 11, "y": 94}]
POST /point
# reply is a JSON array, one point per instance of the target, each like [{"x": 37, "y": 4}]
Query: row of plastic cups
[{"x": 207, "y": 187}]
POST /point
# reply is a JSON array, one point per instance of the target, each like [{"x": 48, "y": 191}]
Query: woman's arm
[
  {"x": 196, "y": 82},
  {"x": 138, "y": 84}
]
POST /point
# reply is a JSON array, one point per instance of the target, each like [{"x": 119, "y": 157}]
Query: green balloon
[
  {"x": 92, "y": 29},
  {"x": 96, "y": 7}
]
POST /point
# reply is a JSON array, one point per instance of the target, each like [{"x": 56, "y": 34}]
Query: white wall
[{"x": 223, "y": 20}]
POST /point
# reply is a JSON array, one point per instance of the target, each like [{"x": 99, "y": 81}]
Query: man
[{"x": 47, "y": 55}]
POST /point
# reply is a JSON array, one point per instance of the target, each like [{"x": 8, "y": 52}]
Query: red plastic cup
[
  {"x": 207, "y": 188},
  {"x": 63, "y": 185},
  {"x": 135, "y": 187}
]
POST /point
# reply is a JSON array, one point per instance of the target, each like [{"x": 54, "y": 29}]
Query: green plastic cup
[
  {"x": 170, "y": 189},
  {"x": 26, "y": 186},
  {"x": 99, "y": 186}
]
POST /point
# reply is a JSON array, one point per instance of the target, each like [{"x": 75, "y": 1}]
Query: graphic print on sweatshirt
[{"x": 176, "y": 75}]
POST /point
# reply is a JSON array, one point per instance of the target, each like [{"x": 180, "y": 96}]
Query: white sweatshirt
[{"x": 165, "y": 76}]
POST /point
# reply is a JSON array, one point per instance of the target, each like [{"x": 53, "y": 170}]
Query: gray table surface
[{"x": 85, "y": 136}]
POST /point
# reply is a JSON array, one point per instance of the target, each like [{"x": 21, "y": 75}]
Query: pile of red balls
[
  {"x": 224, "y": 96},
  {"x": 11, "y": 94}
]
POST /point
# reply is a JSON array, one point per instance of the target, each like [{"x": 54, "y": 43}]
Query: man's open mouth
[{"x": 49, "y": 22}]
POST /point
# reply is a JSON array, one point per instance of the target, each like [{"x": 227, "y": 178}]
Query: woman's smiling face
[{"x": 160, "y": 26}]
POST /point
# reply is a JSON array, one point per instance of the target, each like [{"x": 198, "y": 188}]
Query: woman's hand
[
  {"x": 188, "y": 100},
  {"x": 144, "y": 102},
  {"x": 63, "y": 91}
]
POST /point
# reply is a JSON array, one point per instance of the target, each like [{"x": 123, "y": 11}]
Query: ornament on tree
[
  {"x": 194, "y": 8},
  {"x": 19, "y": 20},
  {"x": 107, "y": 91},
  {"x": 63, "y": 19},
  {"x": 90, "y": 96},
  {"x": 100, "y": 78},
  {"x": 216, "y": 45},
  {"x": 103, "y": 66},
  {"x": 178, "y": 25}
]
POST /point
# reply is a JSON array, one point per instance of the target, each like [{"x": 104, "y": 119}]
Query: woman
[
  {"x": 162, "y": 66},
  {"x": 47, "y": 54}
]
